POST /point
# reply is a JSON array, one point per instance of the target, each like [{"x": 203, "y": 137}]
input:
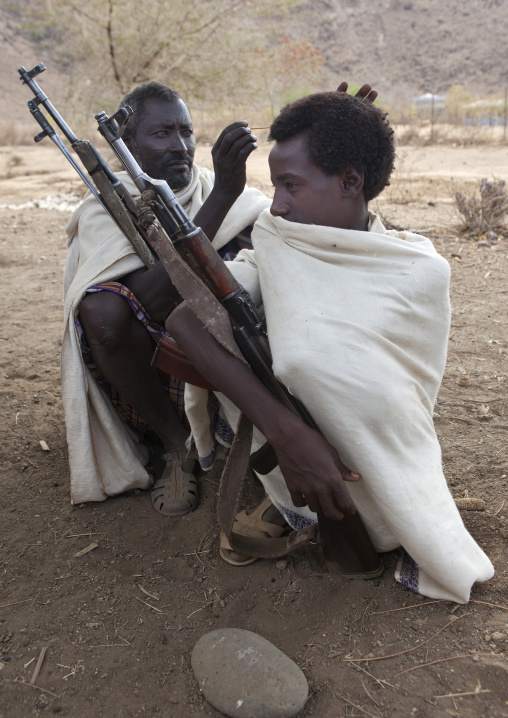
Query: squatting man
[
  {"x": 115, "y": 309},
  {"x": 358, "y": 320}
]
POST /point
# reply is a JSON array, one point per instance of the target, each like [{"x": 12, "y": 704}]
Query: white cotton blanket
[
  {"x": 104, "y": 455},
  {"x": 358, "y": 325}
]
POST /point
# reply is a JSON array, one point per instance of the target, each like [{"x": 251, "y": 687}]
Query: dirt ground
[{"x": 118, "y": 623}]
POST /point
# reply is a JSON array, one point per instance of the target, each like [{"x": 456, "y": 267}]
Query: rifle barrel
[{"x": 26, "y": 77}]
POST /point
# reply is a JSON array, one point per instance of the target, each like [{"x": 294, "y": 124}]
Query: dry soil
[{"x": 117, "y": 624}]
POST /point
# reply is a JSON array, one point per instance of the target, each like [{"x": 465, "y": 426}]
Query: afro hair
[{"x": 341, "y": 131}]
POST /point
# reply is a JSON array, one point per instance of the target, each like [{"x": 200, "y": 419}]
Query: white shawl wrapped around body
[
  {"x": 358, "y": 325},
  {"x": 104, "y": 455}
]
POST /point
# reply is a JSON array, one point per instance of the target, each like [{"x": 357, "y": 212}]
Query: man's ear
[{"x": 352, "y": 182}]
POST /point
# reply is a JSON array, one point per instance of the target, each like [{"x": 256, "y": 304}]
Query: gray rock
[{"x": 245, "y": 676}]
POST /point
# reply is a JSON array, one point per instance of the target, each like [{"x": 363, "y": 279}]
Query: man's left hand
[
  {"x": 229, "y": 153},
  {"x": 365, "y": 92}
]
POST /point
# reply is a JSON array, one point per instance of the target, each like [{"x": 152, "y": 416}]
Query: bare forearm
[
  {"x": 230, "y": 376},
  {"x": 213, "y": 212}
]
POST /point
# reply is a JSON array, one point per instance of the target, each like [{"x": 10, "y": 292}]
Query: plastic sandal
[
  {"x": 249, "y": 525},
  {"x": 176, "y": 492}
]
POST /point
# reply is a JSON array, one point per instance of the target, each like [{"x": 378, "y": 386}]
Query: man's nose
[
  {"x": 279, "y": 206},
  {"x": 177, "y": 143}
]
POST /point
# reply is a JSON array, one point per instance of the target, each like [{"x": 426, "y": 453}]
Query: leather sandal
[
  {"x": 251, "y": 525},
  {"x": 176, "y": 492}
]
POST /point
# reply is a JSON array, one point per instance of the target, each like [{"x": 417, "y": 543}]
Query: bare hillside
[
  {"x": 16, "y": 51},
  {"x": 403, "y": 47},
  {"x": 413, "y": 46}
]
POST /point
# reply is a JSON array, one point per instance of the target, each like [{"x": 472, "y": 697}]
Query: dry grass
[
  {"x": 17, "y": 133},
  {"x": 421, "y": 134},
  {"x": 485, "y": 209}
]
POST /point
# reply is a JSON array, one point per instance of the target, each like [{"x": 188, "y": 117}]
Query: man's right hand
[
  {"x": 230, "y": 153},
  {"x": 313, "y": 470}
]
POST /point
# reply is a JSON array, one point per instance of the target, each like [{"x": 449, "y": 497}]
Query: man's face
[
  {"x": 303, "y": 192},
  {"x": 164, "y": 142}
]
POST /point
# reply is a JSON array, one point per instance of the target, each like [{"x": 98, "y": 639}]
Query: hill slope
[
  {"x": 415, "y": 46},
  {"x": 403, "y": 47}
]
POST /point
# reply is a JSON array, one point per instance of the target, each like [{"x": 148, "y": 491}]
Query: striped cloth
[{"x": 174, "y": 387}]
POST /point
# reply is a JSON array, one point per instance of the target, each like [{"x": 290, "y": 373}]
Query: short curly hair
[
  {"x": 137, "y": 97},
  {"x": 342, "y": 131}
]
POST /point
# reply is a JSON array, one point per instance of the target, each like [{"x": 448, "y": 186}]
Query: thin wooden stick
[
  {"x": 15, "y": 603},
  {"x": 441, "y": 660},
  {"x": 381, "y": 681},
  {"x": 69, "y": 575},
  {"x": 484, "y": 603},
  {"x": 154, "y": 608},
  {"x": 38, "y": 688},
  {"x": 406, "y": 608},
  {"x": 466, "y": 693},
  {"x": 147, "y": 593},
  {"x": 336, "y": 693},
  {"x": 38, "y": 665},
  {"x": 367, "y": 608},
  {"x": 446, "y": 710},
  {"x": 408, "y": 650},
  {"x": 498, "y": 510}
]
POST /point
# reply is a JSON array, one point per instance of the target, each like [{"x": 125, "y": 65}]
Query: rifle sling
[{"x": 113, "y": 201}]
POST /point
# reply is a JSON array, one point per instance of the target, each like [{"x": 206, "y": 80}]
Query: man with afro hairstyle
[{"x": 358, "y": 320}]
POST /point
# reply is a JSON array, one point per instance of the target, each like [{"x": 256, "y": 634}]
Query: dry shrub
[
  {"x": 485, "y": 210},
  {"x": 15, "y": 161},
  {"x": 408, "y": 135},
  {"x": 17, "y": 133}
]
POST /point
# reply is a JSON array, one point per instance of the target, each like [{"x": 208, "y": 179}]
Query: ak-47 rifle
[{"x": 195, "y": 267}]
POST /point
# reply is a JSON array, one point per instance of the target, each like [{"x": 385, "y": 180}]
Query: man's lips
[{"x": 180, "y": 164}]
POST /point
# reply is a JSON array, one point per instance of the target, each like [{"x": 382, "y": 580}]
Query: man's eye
[
  {"x": 161, "y": 133},
  {"x": 188, "y": 133},
  {"x": 291, "y": 185}
]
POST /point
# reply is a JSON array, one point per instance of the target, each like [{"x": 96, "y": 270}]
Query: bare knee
[{"x": 106, "y": 319}]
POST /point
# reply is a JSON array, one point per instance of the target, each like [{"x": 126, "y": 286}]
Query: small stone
[
  {"x": 496, "y": 636},
  {"x": 242, "y": 674},
  {"x": 281, "y": 565}
]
